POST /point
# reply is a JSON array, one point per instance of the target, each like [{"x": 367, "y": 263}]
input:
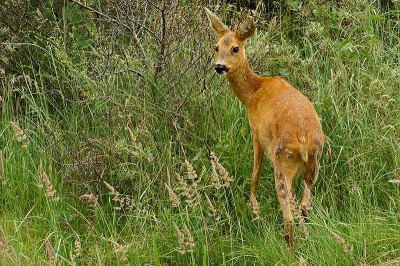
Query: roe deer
[{"x": 283, "y": 121}]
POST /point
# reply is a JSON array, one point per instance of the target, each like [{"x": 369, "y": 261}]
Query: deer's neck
[{"x": 244, "y": 82}]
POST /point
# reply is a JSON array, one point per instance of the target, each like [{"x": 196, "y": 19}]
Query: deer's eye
[
  {"x": 235, "y": 50},
  {"x": 216, "y": 48}
]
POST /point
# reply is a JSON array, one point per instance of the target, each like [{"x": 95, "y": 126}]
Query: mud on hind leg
[{"x": 285, "y": 196}]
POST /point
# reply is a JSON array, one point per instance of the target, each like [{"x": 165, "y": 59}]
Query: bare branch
[
  {"x": 119, "y": 72},
  {"x": 117, "y": 22}
]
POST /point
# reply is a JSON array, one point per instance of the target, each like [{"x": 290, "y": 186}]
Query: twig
[
  {"x": 258, "y": 7},
  {"x": 153, "y": 5},
  {"x": 117, "y": 22},
  {"x": 119, "y": 72},
  {"x": 91, "y": 9}
]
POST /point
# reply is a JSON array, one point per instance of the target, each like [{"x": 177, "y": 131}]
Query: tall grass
[{"x": 128, "y": 149}]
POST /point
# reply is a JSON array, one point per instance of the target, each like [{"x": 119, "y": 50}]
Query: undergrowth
[{"x": 119, "y": 145}]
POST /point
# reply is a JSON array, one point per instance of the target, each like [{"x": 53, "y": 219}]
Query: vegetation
[{"x": 119, "y": 144}]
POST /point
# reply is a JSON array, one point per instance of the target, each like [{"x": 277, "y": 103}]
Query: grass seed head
[
  {"x": 78, "y": 248},
  {"x": 302, "y": 261},
  {"x": 189, "y": 239},
  {"x": 27, "y": 259},
  {"x": 92, "y": 199},
  {"x": 181, "y": 239},
  {"x": 337, "y": 237},
  {"x": 51, "y": 254},
  {"x": 192, "y": 175},
  {"x": 172, "y": 196},
  {"x": 255, "y": 207},
  {"x": 122, "y": 249},
  {"x": 50, "y": 192},
  {"x": 133, "y": 140},
  {"x": 122, "y": 200},
  {"x": 224, "y": 179},
  {"x": 214, "y": 176},
  {"x": 213, "y": 212},
  {"x": 303, "y": 227},
  {"x": 19, "y": 133},
  {"x": 7, "y": 251},
  {"x": 113, "y": 191},
  {"x": 347, "y": 247},
  {"x": 189, "y": 185}
]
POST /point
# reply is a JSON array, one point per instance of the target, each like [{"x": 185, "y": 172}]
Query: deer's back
[{"x": 280, "y": 113}]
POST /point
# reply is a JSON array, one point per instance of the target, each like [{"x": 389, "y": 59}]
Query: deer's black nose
[{"x": 221, "y": 69}]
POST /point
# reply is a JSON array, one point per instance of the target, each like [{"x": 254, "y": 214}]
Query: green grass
[{"x": 135, "y": 131}]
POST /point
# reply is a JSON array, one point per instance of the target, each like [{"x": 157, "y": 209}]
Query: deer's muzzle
[{"x": 221, "y": 69}]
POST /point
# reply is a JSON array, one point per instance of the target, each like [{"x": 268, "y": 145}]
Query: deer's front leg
[{"x": 258, "y": 155}]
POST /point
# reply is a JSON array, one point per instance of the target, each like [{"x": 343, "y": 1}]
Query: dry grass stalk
[
  {"x": 397, "y": 182},
  {"x": 214, "y": 176},
  {"x": 51, "y": 254},
  {"x": 185, "y": 239},
  {"x": 255, "y": 207},
  {"x": 92, "y": 199},
  {"x": 337, "y": 237},
  {"x": 76, "y": 253},
  {"x": 192, "y": 175},
  {"x": 122, "y": 249},
  {"x": 27, "y": 259},
  {"x": 50, "y": 192},
  {"x": 1, "y": 165},
  {"x": 7, "y": 251},
  {"x": 128, "y": 202},
  {"x": 113, "y": 191},
  {"x": 172, "y": 196},
  {"x": 364, "y": 257},
  {"x": 303, "y": 227},
  {"x": 121, "y": 204},
  {"x": 122, "y": 200},
  {"x": 189, "y": 243},
  {"x": 78, "y": 248},
  {"x": 19, "y": 133},
  {"x": 189, "y": 186},
  {"x": 302, "y": 261},
  {"x": 183, "y": 186},
  {"x": 213, "y": 212},
  {"x": 347, "y": 247},
  {"x": 1, "y": 100},
  {"x": 181, "y": 239},
  {"x": 3, "y": 182},
  {"x": 40, "y": 184},
  {"x": 134, "y": 141},
  {"x": 223, "y": 173}
]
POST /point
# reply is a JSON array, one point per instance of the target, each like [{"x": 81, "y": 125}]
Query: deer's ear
[
  {"x": 246, "y": 29},
  {"x": 219, "y": 28}
]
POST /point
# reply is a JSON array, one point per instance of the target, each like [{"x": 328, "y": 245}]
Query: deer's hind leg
[
  {"x": 286, "y": 169},
  {"x": 310, "y": 177}
]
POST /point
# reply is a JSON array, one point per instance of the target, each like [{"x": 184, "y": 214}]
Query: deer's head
[{"x": 229, "y": 50}]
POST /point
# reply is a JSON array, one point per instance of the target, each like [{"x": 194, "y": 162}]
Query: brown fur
[{"x": 283, "y": 121}]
